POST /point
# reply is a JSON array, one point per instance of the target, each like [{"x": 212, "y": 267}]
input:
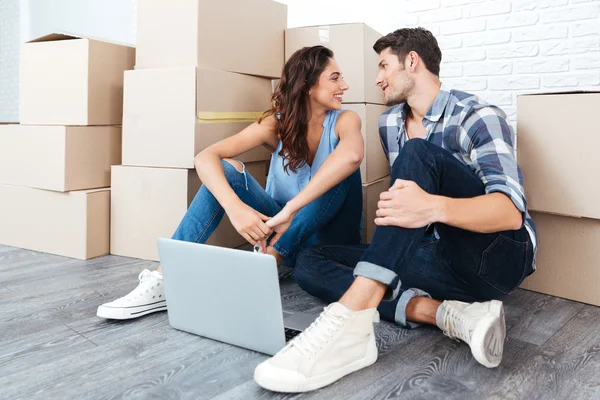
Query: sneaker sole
[
  {"x": 130, "y": 312},
  {"x": 318, "y": 382},
  {"x": 487, "y": 341}
]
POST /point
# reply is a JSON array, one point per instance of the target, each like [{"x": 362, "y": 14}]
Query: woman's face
[{"x": 330, "y": 88}]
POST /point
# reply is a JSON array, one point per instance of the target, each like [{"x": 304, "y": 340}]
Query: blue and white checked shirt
[{"x": 476, "y": 133}]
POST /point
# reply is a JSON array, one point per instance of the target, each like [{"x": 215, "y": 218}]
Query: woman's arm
[
  {"x": 248, "y": 222},
  {"x": 342, "y": 162}
]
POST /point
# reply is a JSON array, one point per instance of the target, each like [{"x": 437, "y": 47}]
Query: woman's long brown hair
[{"x": 291, "y": 103}]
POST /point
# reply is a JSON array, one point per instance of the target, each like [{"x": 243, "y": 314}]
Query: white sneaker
[
  {"x": 339, "y": 342},
  {"x": 146, "y": 298},
  {"x": 480, "y": 325}
]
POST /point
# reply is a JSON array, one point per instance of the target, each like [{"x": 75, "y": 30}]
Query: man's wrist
[{"x": 440, "y": 209}]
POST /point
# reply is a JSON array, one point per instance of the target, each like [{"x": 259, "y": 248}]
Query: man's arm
[
  {"x": 501, "y": 208},
  {"x": 489, "y": 213}
]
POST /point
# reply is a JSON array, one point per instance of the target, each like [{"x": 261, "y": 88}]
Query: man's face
[{"x": 395, "y": 81}]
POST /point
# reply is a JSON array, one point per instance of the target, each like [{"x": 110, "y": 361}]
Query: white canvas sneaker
[
  {"x": 146, "y": 298},
  {"x": 480, "y": 325},
  {"x": 339, "y": 342}
]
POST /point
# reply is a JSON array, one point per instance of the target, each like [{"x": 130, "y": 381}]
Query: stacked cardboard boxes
[
  {"x": 558, "y": 159},
  {"x": 55, "y": 166},
  {"x": 352, "y": 45},
  {"x": 203, "y": 73}
]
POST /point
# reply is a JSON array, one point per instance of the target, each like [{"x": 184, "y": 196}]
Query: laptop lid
[{"x": 223, "y": 294}]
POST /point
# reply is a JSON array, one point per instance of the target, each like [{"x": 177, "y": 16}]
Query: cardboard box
[
  {"x": 567, "y": 258},
  {"x": 57, "y": 157},
  {"x": 375, "y": 164},
  {"x": 229, "y": 35},
  {"x": 352, "y": 45},
  {"x": 371, "y": 194},
  {"x": 161, "y": 109},
  {"x": 557, "y": 153},
  {"x": 149, "y": 203},
  {"x": 73, "y": 224},
  {"x": 73, "y": 81}
]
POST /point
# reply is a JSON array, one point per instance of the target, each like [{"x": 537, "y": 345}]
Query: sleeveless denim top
[{"x": 282, "y": 185}]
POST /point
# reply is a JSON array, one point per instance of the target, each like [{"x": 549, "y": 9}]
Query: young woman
[{"x": 313, "y": 193}]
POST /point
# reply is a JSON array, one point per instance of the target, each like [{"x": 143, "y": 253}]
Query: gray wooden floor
[{"x": 52, "y": 346}]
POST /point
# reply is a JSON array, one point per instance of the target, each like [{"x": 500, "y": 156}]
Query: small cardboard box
[
  {"x": 229, "y": 35},
  {"x": 567, "y": 258},
  {"x": 352, "y": 46},
  {"x": 149, "y": 203},
  {"x": 375, "y": 164},
  {"x": 67, "y": 80},
  {"x": 57, "y": 157},
  {"x": 557, "y": 152},
  {"x": 371, "y": 194},
  {"x": 171, "y": 114},
  {"x": 73, "y": 224}
]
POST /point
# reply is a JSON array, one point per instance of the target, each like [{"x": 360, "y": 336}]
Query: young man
[{"x": 453, "y": 234}]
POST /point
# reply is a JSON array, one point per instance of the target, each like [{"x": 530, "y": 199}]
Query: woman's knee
[
  {"x": 234, "y": 163},
  {"x": 234, "y": 170}
]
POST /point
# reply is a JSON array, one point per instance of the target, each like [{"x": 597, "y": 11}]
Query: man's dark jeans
[{"x": 454, "y": 264}]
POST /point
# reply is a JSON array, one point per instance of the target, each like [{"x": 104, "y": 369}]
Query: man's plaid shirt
[{"x": 476, "y": 133}]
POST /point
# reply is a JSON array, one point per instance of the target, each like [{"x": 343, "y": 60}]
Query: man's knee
[
  {"x": 415, "y": 147},
  {"x": 414, "y": 152}
]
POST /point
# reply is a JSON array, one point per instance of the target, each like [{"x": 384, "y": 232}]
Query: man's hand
[
  {"x": 279, "y": 224},
  {"x": 406, "y": 205}
]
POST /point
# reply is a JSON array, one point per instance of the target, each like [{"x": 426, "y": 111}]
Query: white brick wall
[{"x": 499, "y": 49}]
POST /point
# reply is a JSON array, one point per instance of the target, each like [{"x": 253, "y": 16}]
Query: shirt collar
[{"x": 435, "y": 111}]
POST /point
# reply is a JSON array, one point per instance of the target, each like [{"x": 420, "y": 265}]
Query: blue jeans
[
  {"x": 333, "y": 218},
  {"x": 439, "y": 261}
]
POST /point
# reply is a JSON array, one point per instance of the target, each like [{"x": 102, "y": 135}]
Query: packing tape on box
[{"x": 209, "y": 117}]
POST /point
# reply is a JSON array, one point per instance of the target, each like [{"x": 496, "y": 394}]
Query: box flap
[
  {"x": 51, "y": 37},
  {"x": 63, "y": 35}
]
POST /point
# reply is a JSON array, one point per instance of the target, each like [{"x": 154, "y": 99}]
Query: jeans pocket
[{"x": 503, "y": 264}]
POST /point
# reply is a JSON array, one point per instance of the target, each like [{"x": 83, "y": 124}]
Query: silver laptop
[{"x": 227, "y": 295}]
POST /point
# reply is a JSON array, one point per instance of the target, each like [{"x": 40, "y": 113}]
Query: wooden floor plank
[{"x": 52, "y": 345}]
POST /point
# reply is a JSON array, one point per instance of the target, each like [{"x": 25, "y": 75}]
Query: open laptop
[{"x": 227, "y": 295}]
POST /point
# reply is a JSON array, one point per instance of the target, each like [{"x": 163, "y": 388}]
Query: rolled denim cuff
[
  {"x": 380, "y": 274},
  {"x": 281, "y": 250},
  {"x": 401, "y": 307}
]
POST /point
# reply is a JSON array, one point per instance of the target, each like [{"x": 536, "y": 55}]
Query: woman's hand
[
  {"x": 280, "y": 223},
  {"x": 250, "y": 224}
]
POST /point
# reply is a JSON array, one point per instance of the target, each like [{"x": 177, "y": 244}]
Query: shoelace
[
  {"x": 320, "y": 331},
  {"x": 143, "y": 278},
  {"x": 456, "y": 325}
]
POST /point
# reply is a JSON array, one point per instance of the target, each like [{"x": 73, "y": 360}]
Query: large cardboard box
[
  {"x": 371, "y": 194},
  {"x": 567, "y": 258},
  {"x": 171, "y": 114},
  {"x": 148, "y": 203},
  {"x": 57, "y": 157},
  {"x": 375, "y": 164},
  {"x": 352, "y": 45},
  {"x": 73, "y": 81},
  {"x": 557, "y": 152},
  {"x": 229, "y": 35},
  {"x": 73, "y": 224}
]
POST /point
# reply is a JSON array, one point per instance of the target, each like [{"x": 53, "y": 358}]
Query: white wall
[
  {"x": 496, "y": 49},
  {"x": 9, "y": 60}
]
